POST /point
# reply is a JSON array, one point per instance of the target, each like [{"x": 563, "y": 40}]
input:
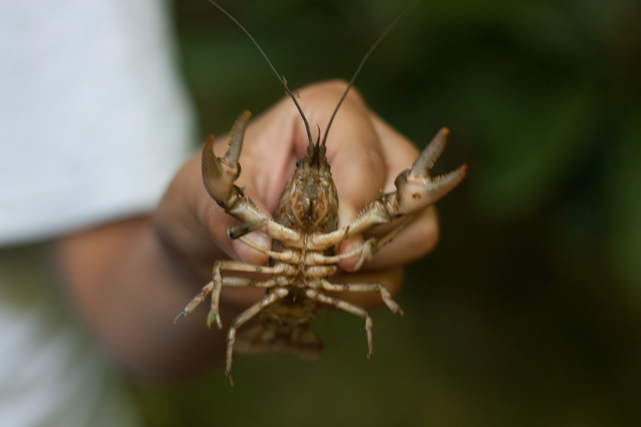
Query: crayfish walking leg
[
  {"x": 272, "y": 297},
  {"x": 350, "y": 308}
]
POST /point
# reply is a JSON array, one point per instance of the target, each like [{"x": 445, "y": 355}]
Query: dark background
[{"x": 528, "y": 313}]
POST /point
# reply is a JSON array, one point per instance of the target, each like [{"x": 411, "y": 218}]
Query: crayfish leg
[
  {"x": 350, "y": 308},
  {"x": 272, "y": 297}
]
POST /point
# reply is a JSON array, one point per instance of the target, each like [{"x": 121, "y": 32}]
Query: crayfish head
[{"x": 312, "y": 200}]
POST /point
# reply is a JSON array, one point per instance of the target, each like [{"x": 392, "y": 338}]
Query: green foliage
[
  {"x": 528, "y": 313},
  {"x": 537, "y": 90},
  {"x": 623, "y": 185}
]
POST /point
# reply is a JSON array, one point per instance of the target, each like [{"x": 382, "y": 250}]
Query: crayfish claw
[
  {"x": 210, "y": 164},
  {"x": 219, "y": 174},
  {"x": 430, "y": 154},
  {"x": 416, "y": 189},
  {"x": 236, "y": 136}
]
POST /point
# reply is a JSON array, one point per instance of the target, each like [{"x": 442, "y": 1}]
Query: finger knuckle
[{"x": 331, "y": 90}]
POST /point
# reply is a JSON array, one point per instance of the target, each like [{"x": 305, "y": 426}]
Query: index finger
[{"x": 354, "y": 152}]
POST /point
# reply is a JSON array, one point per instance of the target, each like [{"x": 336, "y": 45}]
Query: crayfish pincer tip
[
  {"x": 211, "y": 317},
  {"x": 236, "y": 135},
  {"x": 209, "y": 142},
  {"x": 430, "y": 154},
  {"x": 181, "y": 314}
]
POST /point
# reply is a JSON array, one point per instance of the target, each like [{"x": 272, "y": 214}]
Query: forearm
[{"x": 128, "y": 289}]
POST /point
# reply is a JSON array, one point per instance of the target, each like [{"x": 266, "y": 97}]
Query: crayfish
[{"x": 304, "y": 233}]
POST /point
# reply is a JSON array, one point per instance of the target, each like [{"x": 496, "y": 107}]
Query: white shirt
[{"x": 94, "y": 122}]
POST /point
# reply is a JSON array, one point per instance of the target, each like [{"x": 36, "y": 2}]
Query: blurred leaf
[
  {"x": 531, "y": 143},
  {"x": 624, "y": 204},
  {"x": 548, "y": 30},
  {"x": 500, "y": 328}
]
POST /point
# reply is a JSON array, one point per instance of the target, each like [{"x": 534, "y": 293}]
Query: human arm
[{"x": 130, "y": 278}]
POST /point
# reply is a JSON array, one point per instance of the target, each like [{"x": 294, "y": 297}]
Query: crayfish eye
[{"x": 297, "y": 165}]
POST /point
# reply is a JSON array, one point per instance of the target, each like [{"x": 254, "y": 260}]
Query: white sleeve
[{"x": 94, "y": 121}]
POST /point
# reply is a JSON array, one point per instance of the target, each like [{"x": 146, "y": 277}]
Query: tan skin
[{"x": 130, "y": 278}]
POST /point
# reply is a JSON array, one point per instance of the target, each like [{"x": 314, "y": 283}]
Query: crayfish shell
[{"x": 301, "y": 340}]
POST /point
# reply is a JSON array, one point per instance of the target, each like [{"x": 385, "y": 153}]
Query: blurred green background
[{"x": 528, "y": 313}]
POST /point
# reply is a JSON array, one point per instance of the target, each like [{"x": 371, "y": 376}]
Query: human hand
[{"x": 365, "y": 155}]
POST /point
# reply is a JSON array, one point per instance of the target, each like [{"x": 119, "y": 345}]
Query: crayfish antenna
[
  {"x": 278, "y": 76},
  {"x": 369, "y": 52}
]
